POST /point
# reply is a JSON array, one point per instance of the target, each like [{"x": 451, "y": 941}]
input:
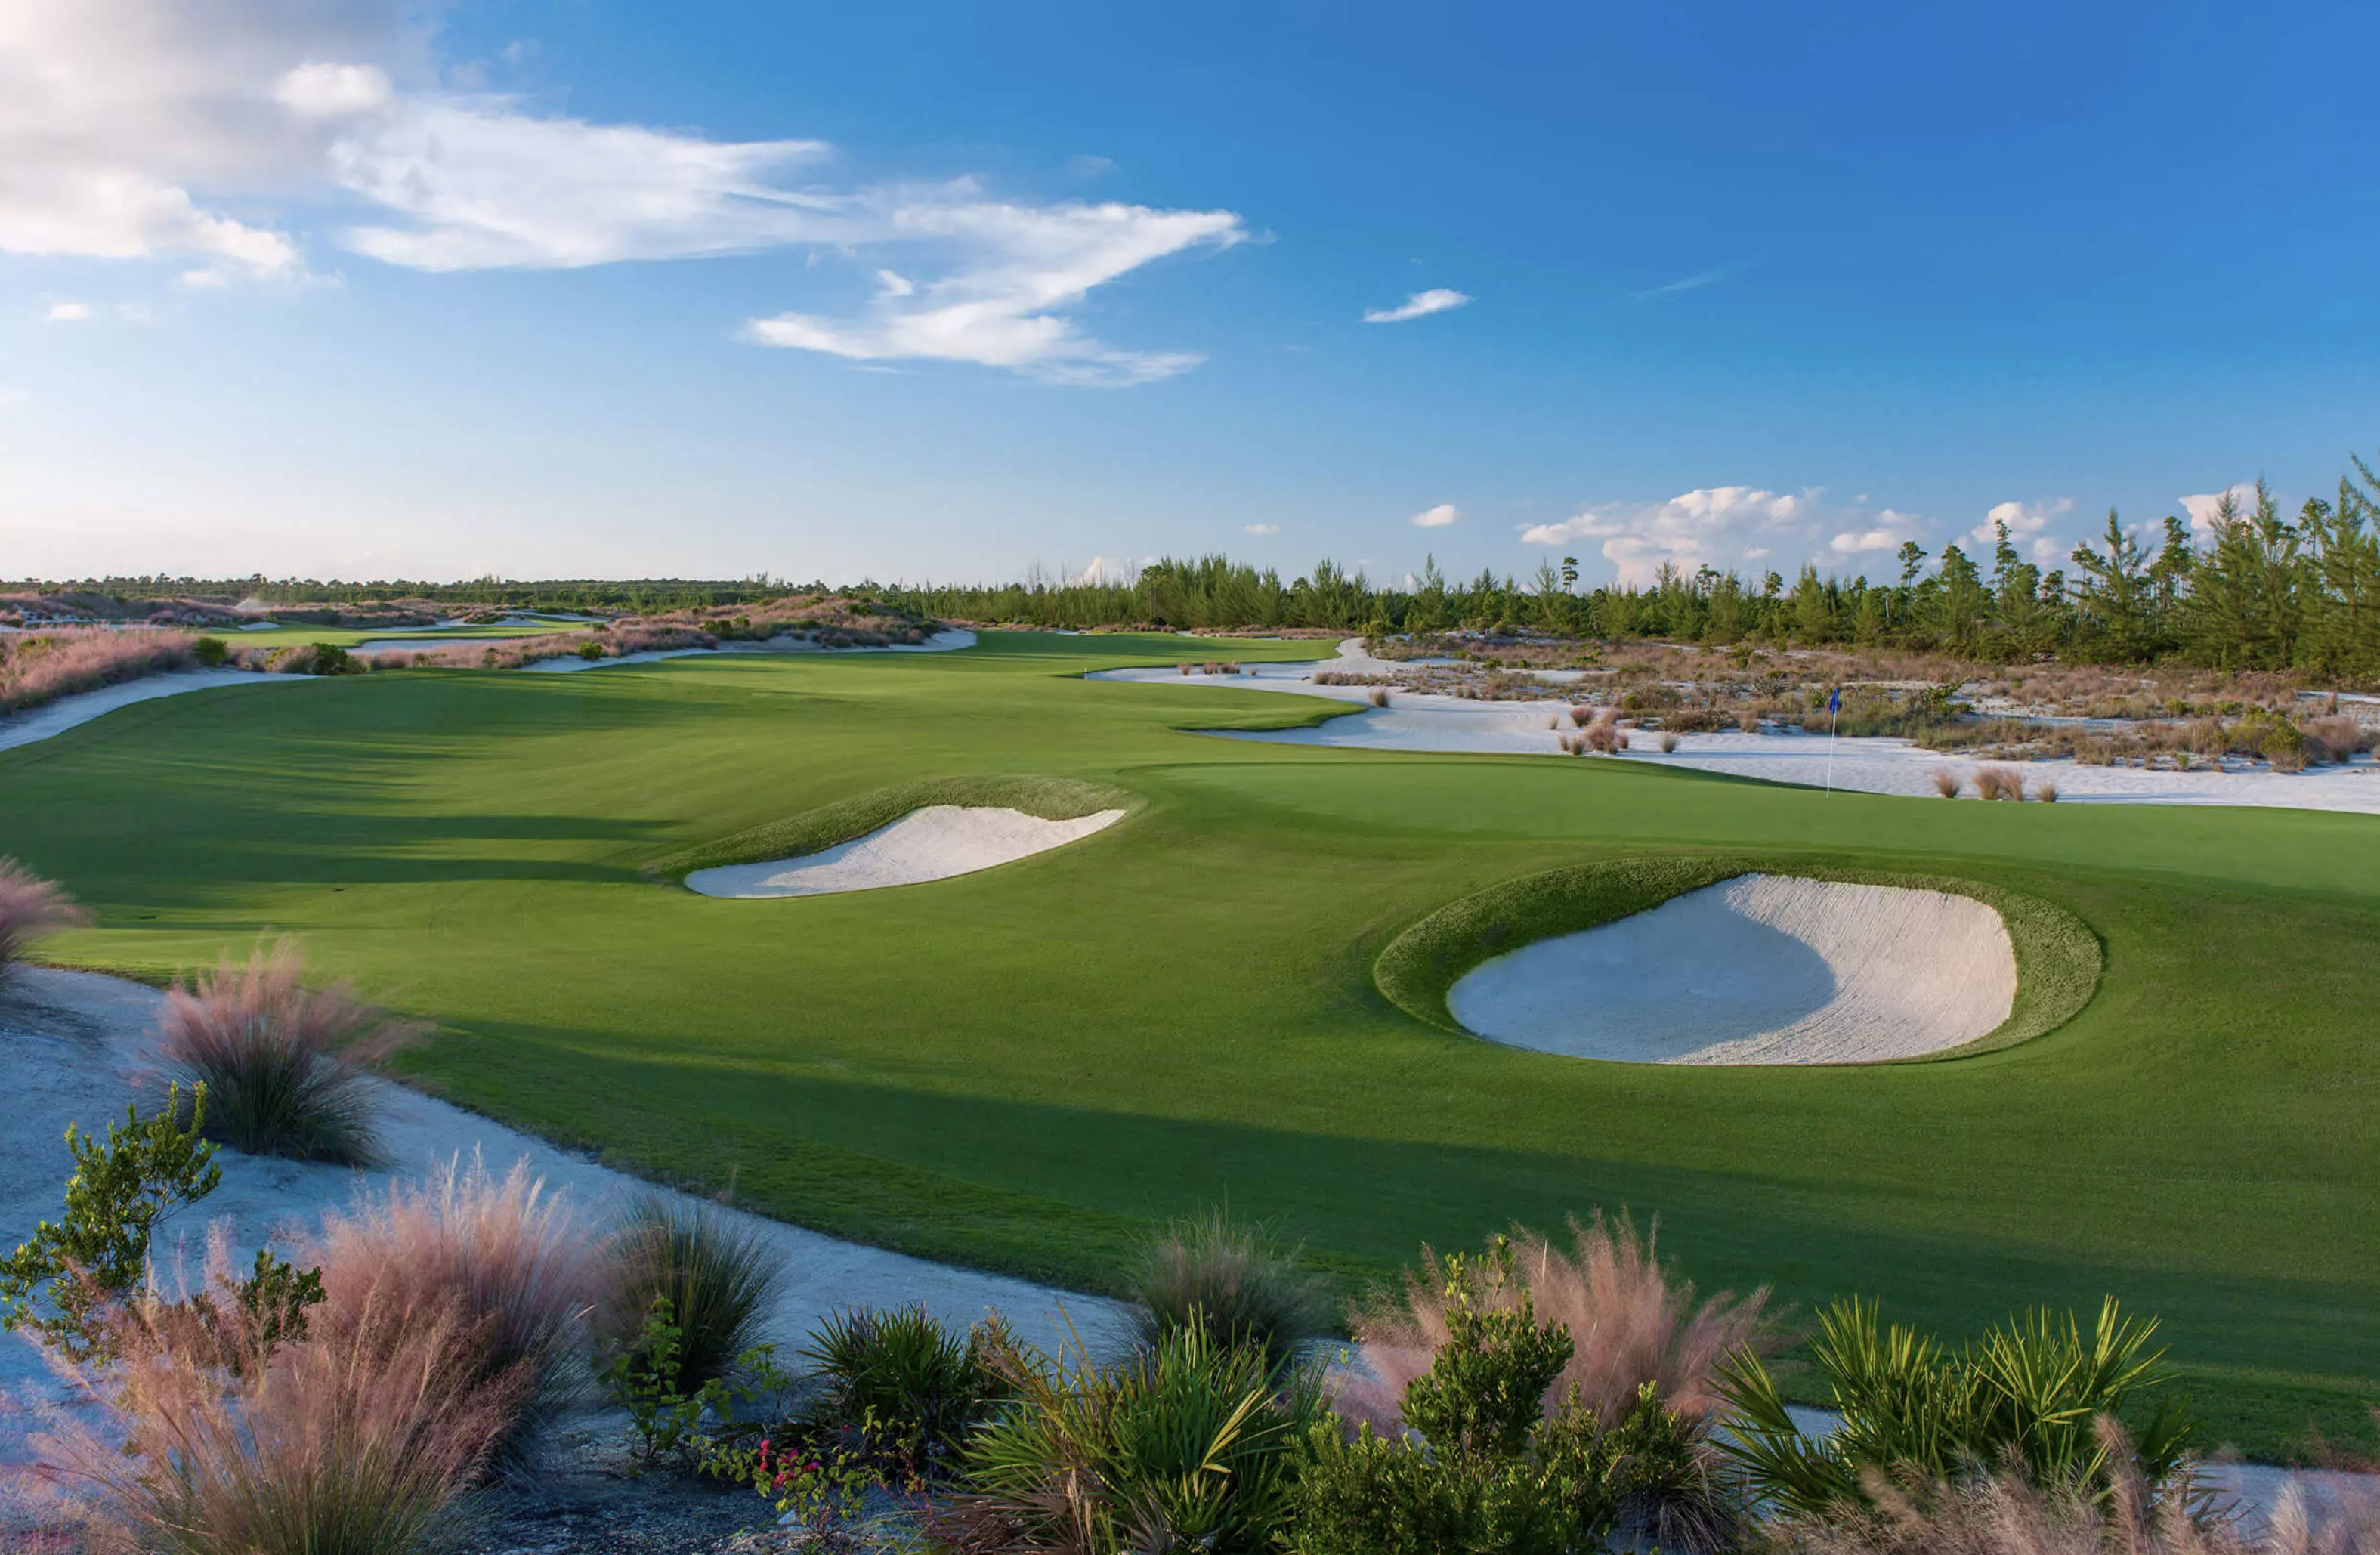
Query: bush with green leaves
[
  {"x": 2030, "y": 1394},
  {"x": 1187, "y": 1445},
  {"x": 82, "y": 1268},
  {"x": 897, "y": 1388},
  {"x": 1482, "y": 1465},
  {"x": 210, "y": 652},
  {"x": 719, "y": 1279},
  {"x": 710, "y": 1424},
  {"x": 1234, "y": 1279}
]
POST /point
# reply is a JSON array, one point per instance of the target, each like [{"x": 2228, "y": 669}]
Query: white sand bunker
[
  {"x": 933, "y": 844},
  {"x": 1759, "y": 969}
]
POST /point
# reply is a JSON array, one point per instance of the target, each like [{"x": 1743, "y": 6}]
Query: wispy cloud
[
  {"x": 1687, "y": 283},
  {"x": 1260, "y": 528},
  {"x": 67, "y": 312},
  {"x": 1438, "y": 299},
  {"x": 133, "y": 129},
  {"x": 1437, "y": 517}
]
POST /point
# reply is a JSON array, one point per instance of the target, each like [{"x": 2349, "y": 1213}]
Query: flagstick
[{"x": 1831, "y": 714}]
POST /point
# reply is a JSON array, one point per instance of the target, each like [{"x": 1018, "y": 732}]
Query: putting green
[{"x": 1022, "y": 1068}]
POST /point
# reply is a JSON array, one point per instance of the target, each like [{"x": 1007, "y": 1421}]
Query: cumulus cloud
[
  {"x": 2202, "y": 508},
  {"x": 192, "y": 130},
  {"x": 1260, "y": 528},
  {"x": 2025, "y": 520},
  {"x": 1437, "y": 517},
  {"x": 1438, "y": 299},
  {"x": 67, "y": 312},
  {"x": 1849, "y": 544},
  {"x": 1111, "y": 569},
  {"x": 1714, "y": 525}
]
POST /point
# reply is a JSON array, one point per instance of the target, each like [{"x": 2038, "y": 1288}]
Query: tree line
[{"x": 2262, "y": 590}]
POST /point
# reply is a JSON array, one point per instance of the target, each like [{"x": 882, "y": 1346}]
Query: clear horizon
[{"x": 363, "y": 289}]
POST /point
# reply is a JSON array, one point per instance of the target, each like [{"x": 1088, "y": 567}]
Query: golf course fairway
[{"x": 1023, "y": 1068}]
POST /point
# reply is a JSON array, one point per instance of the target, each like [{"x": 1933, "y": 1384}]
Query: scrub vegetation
[{"x": 1036, "y": 1073}]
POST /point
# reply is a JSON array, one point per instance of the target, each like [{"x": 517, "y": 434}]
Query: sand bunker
[
  {"x": 933, "y": 844},
  {"x": 1760, "y": 969}
]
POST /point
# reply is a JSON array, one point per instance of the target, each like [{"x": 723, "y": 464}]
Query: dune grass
[{"x": 1033, "y": 1068}]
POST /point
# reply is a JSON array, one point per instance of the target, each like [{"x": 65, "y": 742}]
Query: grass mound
[
  {"x": 2058, "y": 956},
  {"x": 1050, "y": 798}
]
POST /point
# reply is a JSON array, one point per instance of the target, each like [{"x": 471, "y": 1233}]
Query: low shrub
[
  {"x": 1380, "y": 696},
  {"x": 1696, "y": 721},
  {"x": 2047, "y": 792},
  {"x": 1482, "y": 1463},
  {"x": 1233, "y": 1280},
  {"x": 31, "y": 909},
  {"x": 897, "y": 1389},
  {"x": 1999, "y": 783},
  {"x": 276, "y": 1058},
  {"x": 1188, "y": 1445},
  {"x": 502, "y": 1252},
  {"x": 1669, "y": 742},
  {"x": 210, "y": 652},
  {"x": 718, "y": 1278},
  {"x": 1582, "y": 715},
  {"x": 1948, "y": 783},
  {"x": 2026, "y": 1396}
]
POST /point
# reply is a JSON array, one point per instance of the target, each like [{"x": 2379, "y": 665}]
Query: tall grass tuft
[
  {"x": 1669, "y": 742},
  {"x": 276, "y": 1058},
  {"x": 1234, "y": 1280},
  {"x": 720, "y": 1278},
  {"x": 501, "y": 1251},
  {"x": 1631, "y": 1321},
  {"x": 2047, "y": 792},
  {"x": 358, "y": 1437},
  {"x": 31, "y": 910},
  {"x": 1948, "y": 783},
  {"x": 1380, "y": 696},
  {"x": 1999, "y": 783},
  {"x": 1582, "y": 715}
]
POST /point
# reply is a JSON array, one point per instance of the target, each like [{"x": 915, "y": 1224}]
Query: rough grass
[
  {"x": 1034, "y": 1074},
  {"x": 1232, "y": 1279},
  {"x": 1052, "y": 798},
  {"x": 2057, "y": 957}
]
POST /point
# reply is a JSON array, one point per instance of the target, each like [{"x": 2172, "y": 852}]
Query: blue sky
[{"x": 348, "y": 287}]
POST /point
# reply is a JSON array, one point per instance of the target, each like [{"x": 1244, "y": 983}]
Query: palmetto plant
[{"x": 2032, "y": 1390}]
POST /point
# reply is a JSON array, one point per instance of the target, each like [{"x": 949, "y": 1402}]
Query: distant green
[{"x": 1027, "y": 1067}]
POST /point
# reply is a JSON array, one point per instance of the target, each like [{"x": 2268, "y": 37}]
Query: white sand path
[
  {"x": 74, "y": 1048},
  {"x": 936, "y": 843},
  {"x": 1434, "y": 723},
  {"x": 1760, "y": 969},
  {"x": 69, "y": 712}
]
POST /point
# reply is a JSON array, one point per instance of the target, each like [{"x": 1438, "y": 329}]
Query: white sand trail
[
  {"x": 1760, "y": 969},
  {"x": 75, "y": 1049},
  {"x": 933, "y": 843}
]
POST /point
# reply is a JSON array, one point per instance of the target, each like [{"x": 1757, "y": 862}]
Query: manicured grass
[{"x": 1031, "y": 1067}]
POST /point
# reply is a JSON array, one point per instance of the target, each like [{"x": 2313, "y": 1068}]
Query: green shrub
[
  {"x": 1234, "y": 1280},
  {"x": 329, "y": 659},
  {"x": 210, "y": 652},
  {"x": 669, "y": 1418},
  {"x": 718, "y": 1279},
  {"x": 89, "y": 1264},
  {"x": 1189, "y": 1445},
  {"x": 590, "y": 649},
  {"x": 897, "y": 1387},
  {"x": 1492, "y": 1471},
  {"x": 2032, "y": 1392}
]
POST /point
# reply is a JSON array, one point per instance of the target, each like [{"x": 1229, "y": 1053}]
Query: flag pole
[{"x": 1834, "y": 707}]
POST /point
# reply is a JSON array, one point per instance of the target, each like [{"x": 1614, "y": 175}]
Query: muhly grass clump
[
  {"x": 278, "y": 1058},
  {"x": 720, "y": 1279},
  {"x": 1948, "y": 783},
  {"x": 35, "y": 669},
  {"x": 509, "y": 1257},
  {"x": 1632, "y": 1319},
  {"x": 1999, "y": 783},
  {"x": 1669, "y": 743},
  {"x": 1234, "y": 1280},
  {"x": 31, "y": 910},
  {"x": 358, "y": 1432}
]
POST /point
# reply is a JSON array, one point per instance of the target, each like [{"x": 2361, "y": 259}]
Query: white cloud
[
  {"x": 1111, "y": 569},
  {"x": 1438, "y": 299},
  {"x": 1437, "y": 517},
  {"x": 2202, "y": 508},
  {"x": 1260, "y": 528},
  {"x": 1715, "y": 525},
  {"x": 2023, "y": 520},
  {"x": 67, "y": 312},
  {"x": 1847, "y": 544},
  {"x": 1009, "y": 272},
  {"x": 193, "y": 130},
  {"x": 1685, "y": 283}
]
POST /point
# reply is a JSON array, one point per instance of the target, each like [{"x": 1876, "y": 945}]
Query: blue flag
[{"x": 1835, "y": 700}]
